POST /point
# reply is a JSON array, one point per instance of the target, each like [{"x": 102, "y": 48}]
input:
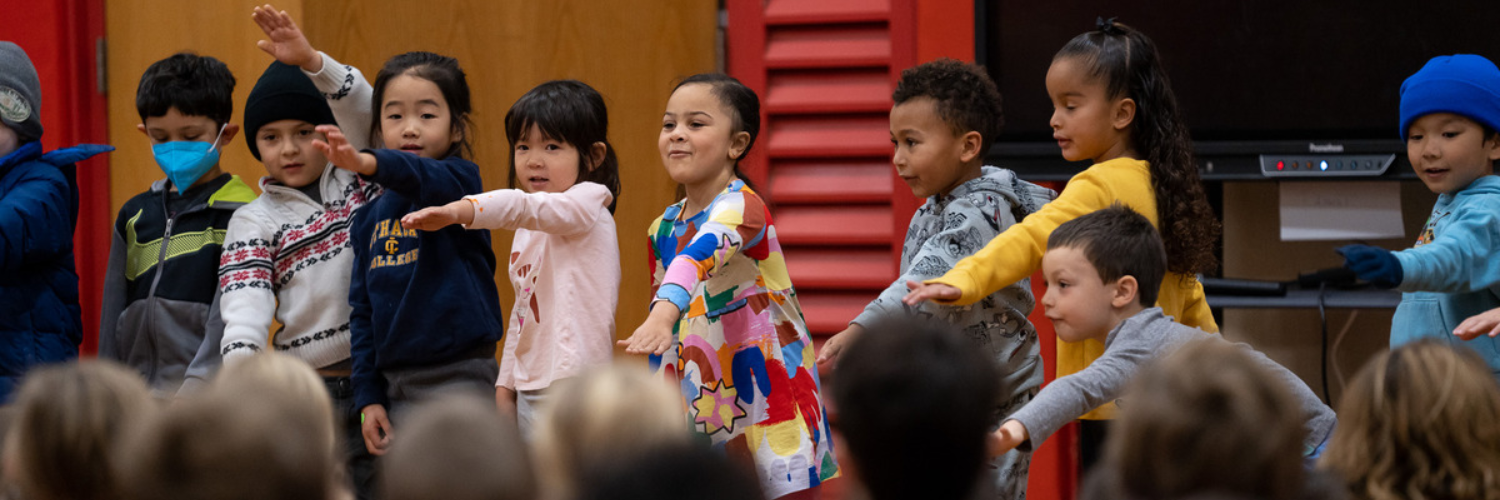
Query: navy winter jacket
[{"x": 39, "y": 316}]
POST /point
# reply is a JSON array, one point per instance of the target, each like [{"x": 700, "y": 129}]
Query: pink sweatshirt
[{"x": 565, "y": 268}]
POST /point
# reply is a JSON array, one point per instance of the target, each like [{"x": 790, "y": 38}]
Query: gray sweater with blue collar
[{"x": 1133, "y": 343}]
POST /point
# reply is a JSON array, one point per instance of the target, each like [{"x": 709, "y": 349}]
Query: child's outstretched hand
[
  {"x": 655, "y": 335},
  {"x": 936, "y": 291},
  {"x": 1487, "y": 323},
  {"x": 435, "y": 218},
  {"x": 287, "y": 43},
  {"x": 1010, "y": 435},
  {"x": 376, "y": 429},
  {"x": 1373, "y": 264},
  {"x": 836, "y": 344},
  {"x": 341, "y": 153}
]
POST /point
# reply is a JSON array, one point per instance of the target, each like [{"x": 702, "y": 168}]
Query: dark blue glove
[{"x": 1375, "y": 265}]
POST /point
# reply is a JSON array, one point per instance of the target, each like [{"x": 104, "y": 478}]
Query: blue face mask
[{"x": 185, "y": 161}]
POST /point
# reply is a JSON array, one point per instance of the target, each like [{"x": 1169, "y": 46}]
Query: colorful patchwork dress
[{"x": 743, "y": 356}]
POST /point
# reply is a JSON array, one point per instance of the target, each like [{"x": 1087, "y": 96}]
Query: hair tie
[{"x": 1108, "y": 26}]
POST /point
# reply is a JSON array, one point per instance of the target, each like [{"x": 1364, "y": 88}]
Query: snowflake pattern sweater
[{"x": 287, "y": 256}]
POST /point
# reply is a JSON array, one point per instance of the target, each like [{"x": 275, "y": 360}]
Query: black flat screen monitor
[{"x": 1246, "y": 72}]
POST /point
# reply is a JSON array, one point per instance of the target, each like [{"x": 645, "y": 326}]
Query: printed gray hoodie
[{"x": 945, "y": 230}]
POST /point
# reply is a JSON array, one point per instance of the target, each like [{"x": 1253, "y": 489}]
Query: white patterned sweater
[{"x": 288, "y": 257}]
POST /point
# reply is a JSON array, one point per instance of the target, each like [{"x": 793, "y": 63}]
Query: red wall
[{"x": 60, "y": 36}]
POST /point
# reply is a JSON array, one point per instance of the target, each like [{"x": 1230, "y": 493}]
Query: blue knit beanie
[{"x": 1463, "y": 84}]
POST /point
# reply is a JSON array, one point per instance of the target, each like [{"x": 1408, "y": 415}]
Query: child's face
[
  {"x": 414, "y": 117},
  {"x": 175, "y": 126},
  {"x": 1086, "y": 122},
  {"x": 544, "y": 164},
  {"x": 929, "y": 156},
  {"x": 287, "y": 151},
  {"x": 1079, "y": 304},
  {"x": 698, "y": 141},
  {"x": 1449, "y": 152},
  {"x": 8, "y": 140}
]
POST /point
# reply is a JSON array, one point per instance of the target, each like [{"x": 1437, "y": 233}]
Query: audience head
[
  {"x": 256, "y": 442},
  {"x": 280, "y": 373},
  {"x": 1206, "y": 420},
  {"x": 674, "y": 472},
  {"x": 901, "y": 376},
  {"x": 599, "y": 416},
  {"x": 68, "y": 420},
  {"x": 457, "y": 447},
  {"x": 1418, "y": 422}
]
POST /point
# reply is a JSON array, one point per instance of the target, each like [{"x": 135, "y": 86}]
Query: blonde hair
[
  {"x": 259, "y": 443},
  {"x": 1418, "y": 422},
  {"x": 1205, "y": 419},
  {"x": 281, "y": 373},
  {"x": 456, "y": 447},
  {"x": 69, "y": 419},
  {"x": 601, "y": 416}
]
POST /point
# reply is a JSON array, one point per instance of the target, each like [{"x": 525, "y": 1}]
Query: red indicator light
[{"x": 1280, "y": 165}]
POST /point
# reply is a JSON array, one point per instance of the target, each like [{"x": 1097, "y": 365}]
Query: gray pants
[
  {"x": 474, "y": 375},
  {"x": 527, "y": 406},
  {"x": 1005, "y": 476}
]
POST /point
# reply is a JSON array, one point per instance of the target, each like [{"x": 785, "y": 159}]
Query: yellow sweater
[{"x": 1017, "y": 253}]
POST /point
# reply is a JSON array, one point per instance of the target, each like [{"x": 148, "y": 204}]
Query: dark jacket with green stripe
[{"x": 160, "y": 293}]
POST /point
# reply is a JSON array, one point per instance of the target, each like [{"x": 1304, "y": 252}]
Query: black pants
[
  {"x": 1091, "y": 437},
  {"x": 359, "y": 464}
]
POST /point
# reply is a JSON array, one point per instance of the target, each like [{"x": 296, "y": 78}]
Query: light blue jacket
[{"x": 1453, "y": 272}]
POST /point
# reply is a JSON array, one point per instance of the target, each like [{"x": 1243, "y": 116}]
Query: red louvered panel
[
  {"x": 801, "y": 92},
  {"x": 832, "y": 181},
  {"x": 842, "y": 47},
  {"x": 829, "y": 312},
  {"x": 833, "y": 225},
  {"x": 829, "y": 136},
  {"x": 840, "y": 268},
  {"x": 827, "y": 11}
]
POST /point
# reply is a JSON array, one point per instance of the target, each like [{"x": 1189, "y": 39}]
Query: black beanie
[{"x": 283, "y": 93}]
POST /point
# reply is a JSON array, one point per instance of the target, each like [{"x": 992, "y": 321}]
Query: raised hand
[
  {"x": 287, "y": 43},
  {"x": 343, "y": 155}
]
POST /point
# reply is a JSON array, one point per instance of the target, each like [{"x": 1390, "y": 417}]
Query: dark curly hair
[
  {"x": 572, "y": 112},
  {"x": 1127, "y": 62},
  {"x": 966, "y": 97}
]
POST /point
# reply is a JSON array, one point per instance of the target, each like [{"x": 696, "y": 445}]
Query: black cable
[{"x": 1323, "y": 360}]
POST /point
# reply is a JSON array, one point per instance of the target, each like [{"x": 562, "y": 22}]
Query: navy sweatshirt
[{"x": 420, "y": 298}]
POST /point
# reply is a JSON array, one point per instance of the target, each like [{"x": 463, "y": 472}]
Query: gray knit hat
[{"x": 20, "y": 93}]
